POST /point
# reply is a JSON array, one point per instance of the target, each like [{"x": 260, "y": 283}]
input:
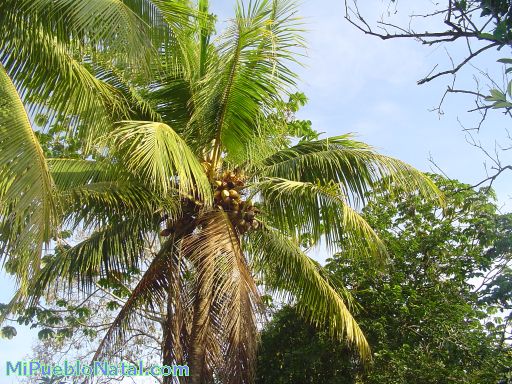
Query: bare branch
[{"x": 461, "y": 64}]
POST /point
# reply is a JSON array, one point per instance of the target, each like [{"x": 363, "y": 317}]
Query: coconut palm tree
[{"x": 192, "y": 146}]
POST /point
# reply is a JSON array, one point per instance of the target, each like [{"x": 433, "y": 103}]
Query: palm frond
[
  {"x": 132, "y": 29},
  {"x": 28, "y": 212},
  {"x": 140, "y": 105},
  {"x": 285, "y": 269},
  {"x": 172, "y": 97},
  {"x": 353, "y": 164},
  {"x": 53, "y": 80},
  {"x": 97, "y": 204},
  {"x": 173, "y": 92},
  {"x": 164, "y": 278},
  {"x": 114, "y": 248},
  {"x": 160, "y": 157},
  {"x": 48, "y": 48},
  {"x": 151, "y": 288},
  {"x": 231, "y": 298},
  {"x": 179, "y": 312},
  {"x": 93, "y": 193},
  {"x": 111, "y": 249},
  {"x": 72, "y": 173},
  {"x": 319, "y": 210},
  {"x": 247, "y": 75}
]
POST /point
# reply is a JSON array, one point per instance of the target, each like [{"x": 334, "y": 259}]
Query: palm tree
[{"x": 192, "y": 147}]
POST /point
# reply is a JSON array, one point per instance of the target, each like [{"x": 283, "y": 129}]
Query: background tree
[
  {"x": 428, "y": 315},
  {"x": 477, "y": 28}
]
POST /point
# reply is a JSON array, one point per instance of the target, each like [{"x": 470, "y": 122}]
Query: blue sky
[{"x": 360, "y": 84}]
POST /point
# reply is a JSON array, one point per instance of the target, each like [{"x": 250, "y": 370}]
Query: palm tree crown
[{"x": 182, "y": 139}]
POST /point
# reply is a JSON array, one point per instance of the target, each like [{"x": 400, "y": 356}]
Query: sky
[{"x": 361, "y": 84}]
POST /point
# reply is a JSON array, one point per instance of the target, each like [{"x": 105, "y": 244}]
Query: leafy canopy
[
  {"x": 427, "y": 316},
  {"x": 179, "y": 159}
]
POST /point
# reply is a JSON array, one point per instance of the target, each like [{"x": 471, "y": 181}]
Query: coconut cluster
[{"x": 229, "y": 197}]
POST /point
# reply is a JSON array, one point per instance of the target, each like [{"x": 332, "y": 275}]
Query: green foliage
[
  {"x": 54, "y": 323},
  {"x": 56, "y": 142},
  {"x": 45, "y": 334},
  {"x": 502, "y": 98},
  {"x": 143, "y": 117},
  {"x": 296, "y": 128},
  {"x": 8, "y": 332},
  {"x": 295, "y": 352},
  {"x": 499, "y": 10},
  {"x": 423, "y": 315}
]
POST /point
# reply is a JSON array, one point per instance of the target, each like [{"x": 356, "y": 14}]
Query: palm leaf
[
  {"x": 316, "y": 209},
  {"x": 286, "y": 269},
  {"x": 353, "y": 164},
  {"x": 151, "y": 288},
  {"x": 71, "y": 173},
  {"x": 53, "y": 80},
  {"x": 247, "y": 75},
  {"x": 27, "y": 208},
  {"x": 231, "y": 299},
  {"x": 159, "y": 156},
  {"x": 93, "y": 193},
  {"x": 115, "y": 248},
  {"x": 97, "y": 204},
  {"x": 133, "y": 29},
  {"x": 132, "y": 90}
]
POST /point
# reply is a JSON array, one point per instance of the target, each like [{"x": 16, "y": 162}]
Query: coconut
[
  {"x": 234, "y": 194},
  {"x": 225, "y": 193}
]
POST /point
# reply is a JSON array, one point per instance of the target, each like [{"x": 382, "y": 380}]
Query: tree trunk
[
  {"x": 197, "y": 349},
  {"x": 200, "y": 323},
  {"x": 197, "y": 342},
  {"x": 172, "y": 350}
]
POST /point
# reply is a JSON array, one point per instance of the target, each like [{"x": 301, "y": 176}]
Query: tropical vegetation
[
  {"x": 177, "y": 146},
  {"x": 439, "y": 312}
]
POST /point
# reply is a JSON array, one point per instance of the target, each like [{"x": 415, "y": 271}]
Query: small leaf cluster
[{"x": 500, "y": 11}]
